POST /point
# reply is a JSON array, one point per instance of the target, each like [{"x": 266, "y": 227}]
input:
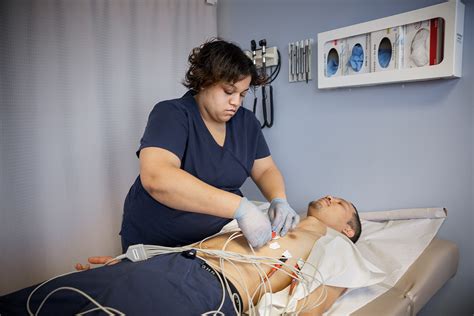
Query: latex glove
[
  {"x": 282, "y": 216},
  {"x": 357, "y": 58},
  {"x": 254, "y": 224}
]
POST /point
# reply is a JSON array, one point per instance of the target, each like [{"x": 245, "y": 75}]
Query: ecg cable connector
[
  {"x": 136, "y": 253},
  {"x": 294, "y": 276}
]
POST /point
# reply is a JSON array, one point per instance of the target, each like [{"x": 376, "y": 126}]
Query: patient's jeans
[{"x": 169, "y": 284}]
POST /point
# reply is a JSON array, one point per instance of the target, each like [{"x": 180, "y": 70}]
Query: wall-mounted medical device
[
  {"x": 268, "y": 63},
  {"x": 299, "y": 60},
  {"x": 417, "y": 45},
  {"x": 271, "y": 56}
]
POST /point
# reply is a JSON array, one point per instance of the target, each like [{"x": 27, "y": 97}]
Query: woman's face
[{"x": 221, "y": 101}]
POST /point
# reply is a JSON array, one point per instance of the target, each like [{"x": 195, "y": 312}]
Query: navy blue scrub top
[{"x": 176, "y": 125}]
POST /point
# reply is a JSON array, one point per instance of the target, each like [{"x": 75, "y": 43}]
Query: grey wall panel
[
  {"x": 383, "y": 147},
  {"x": 77, "y": 82}
]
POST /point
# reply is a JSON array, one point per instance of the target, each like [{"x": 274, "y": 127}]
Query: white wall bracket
[{"x": 450, "y": 67}]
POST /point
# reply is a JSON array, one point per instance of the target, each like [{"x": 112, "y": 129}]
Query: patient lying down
[{"x": 186, "y": 283}]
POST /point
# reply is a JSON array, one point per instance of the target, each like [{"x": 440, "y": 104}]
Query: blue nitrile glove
[
  {"x": 333, "y": 64},
  {"x": 282, "y": 216},
  {"x": 254, "y": 224},
  {"x": 357, "y": 58},
  {"x": 384, "y": 57}
]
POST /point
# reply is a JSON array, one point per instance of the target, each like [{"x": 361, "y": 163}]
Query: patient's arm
[
  {"x": 95, "y": 260},
  {"x": 333, "y": 293}
]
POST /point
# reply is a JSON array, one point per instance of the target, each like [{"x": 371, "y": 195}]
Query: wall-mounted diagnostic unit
[
  {"x": 267, "y": 60},
  {"x": 417, "y": 45},
  {"x": 299, "y": 60}
]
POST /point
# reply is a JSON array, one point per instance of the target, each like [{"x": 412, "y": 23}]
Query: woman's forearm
[
  {"x": 271, "y": 184},
  {"x": 180, "y": 190}
]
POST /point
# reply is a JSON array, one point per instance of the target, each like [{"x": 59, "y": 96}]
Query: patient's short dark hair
[
  {"x": 354, "y": 223},
  {"x": 219, "y": 61}
]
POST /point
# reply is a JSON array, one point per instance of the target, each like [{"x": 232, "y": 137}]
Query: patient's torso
[{"x": 298, "y": 242}]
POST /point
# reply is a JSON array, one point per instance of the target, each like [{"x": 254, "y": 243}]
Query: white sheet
[
  {"x": 393, "y": 246},
  {"x": 414, "y": 213}
]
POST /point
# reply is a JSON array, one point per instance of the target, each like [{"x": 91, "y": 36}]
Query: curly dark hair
[{"x": 219, "y": 61}]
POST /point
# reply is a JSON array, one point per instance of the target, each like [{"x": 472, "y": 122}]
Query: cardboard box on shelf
[
  {"x": 387, "y": 49},
  {"x": 357, "y": 55},
  {"x": 334, "y": 52}
]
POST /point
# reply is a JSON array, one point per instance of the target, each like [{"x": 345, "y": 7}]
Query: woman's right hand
[
  {"x": 95, "y": 260},
  {"x": 255, "y": 225}
]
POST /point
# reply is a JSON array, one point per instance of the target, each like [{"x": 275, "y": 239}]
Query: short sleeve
[
  {"x": 262, "y": 147},
  {"x": 167, "y": 128}
]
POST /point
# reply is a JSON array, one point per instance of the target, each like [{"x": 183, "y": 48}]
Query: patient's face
[{"x": 333, "y": 211}]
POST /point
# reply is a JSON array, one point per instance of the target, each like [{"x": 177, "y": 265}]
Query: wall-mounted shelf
[{"x": 392, "y": 35}]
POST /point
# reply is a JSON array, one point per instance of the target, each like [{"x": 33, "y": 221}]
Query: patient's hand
[{"x": 95, "y": 260}]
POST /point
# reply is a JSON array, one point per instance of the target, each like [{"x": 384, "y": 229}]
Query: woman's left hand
[{"x": 282, "y": 216}]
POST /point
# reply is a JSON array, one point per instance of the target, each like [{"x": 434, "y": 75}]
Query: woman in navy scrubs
[{"x": 195, "y": 154}]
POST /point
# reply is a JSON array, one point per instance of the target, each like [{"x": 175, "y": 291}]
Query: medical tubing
[
  {"x": 229, "y": 257},
  {"x": 251, "y": 307},
  {"x": 229, "y": 239},
  {"x": 70, "y": 288},
  {"x": 276, "y": 71},
  {"x": 212, "y": 313},
  {"x": 262, "y": 275},
  {"x": 264, "y": 281},
  {"x": 97, "y": 308},
  {"x": 307, "y": 287},
  {"x": 273, "y": 75},
  {"x": 318, "y": 301},
  {"x": 227, "y": 285},
  {"x": 123, "y": 256},
  {"x": 147, "y": 251},
  {"x": 264, "y": 106},
  {"x": 222, "y": 285},
  {"x": 290, "y": 274},
  {"x": 36, "y": 288},
  {"x": 270, "y": 124},
  {"x": 221, "y": 263},
  {"x": 264, "y": 70},
  {"x": 78, "y": 291},
  {"x": 266, "y": 122},
  {"x": 215, "y": 235}
]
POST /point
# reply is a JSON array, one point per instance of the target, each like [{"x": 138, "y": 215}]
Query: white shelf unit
[{"x": 450, "y": 67}]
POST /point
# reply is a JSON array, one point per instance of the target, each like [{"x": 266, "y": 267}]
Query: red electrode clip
[
  {"x": 294, "y": 280},
  {"x": 276, "y": 267}
]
